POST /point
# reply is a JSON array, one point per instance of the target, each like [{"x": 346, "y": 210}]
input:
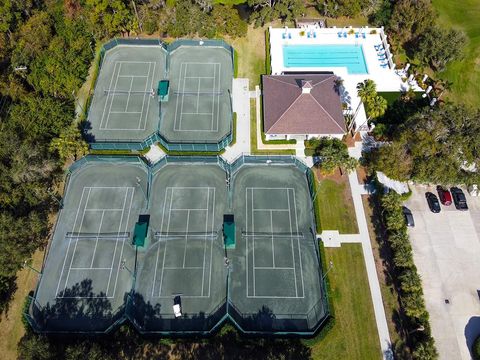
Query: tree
[
  {"x": 267, "y": 10},
  {"x": 374, "y": 104},
  {"x": 228, "y": 21},
  {"x": 393, "y": 160},
  {"x": 109, "y": 17},
  {"x": 333, "y": 153},
  {"x": 438, "y": 46},
  {"x": 410, "y": 18},
  {"x": 410, "y": 281},
  {"x": 69, "y": 144}
]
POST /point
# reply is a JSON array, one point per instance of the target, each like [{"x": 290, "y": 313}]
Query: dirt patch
[
  {"x": 362, "y": 175},
  {"x": 337, "y": 176}
]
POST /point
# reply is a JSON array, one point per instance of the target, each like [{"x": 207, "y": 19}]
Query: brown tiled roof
[{"x": 289, "y": 110}]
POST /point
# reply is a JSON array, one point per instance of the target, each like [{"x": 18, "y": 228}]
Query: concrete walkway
[
  {"x": 241, "y": 106},
  {"x": 364, "y": 238}
]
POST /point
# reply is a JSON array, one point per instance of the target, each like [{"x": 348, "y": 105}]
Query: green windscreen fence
[
  {"x": 229, "y": 231},
  {"x": 141, "y": 230},
  {"x": 139, "y": 307}
]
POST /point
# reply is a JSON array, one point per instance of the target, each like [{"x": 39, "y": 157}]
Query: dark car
[
  {"x": 459, "y": 199},
  {"x": 408, "y": 217},
  {"x": 433, "y": 202},
  {"x": 444, "y": 196}
]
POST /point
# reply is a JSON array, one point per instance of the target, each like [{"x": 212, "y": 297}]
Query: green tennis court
[
  {"x": 199, "y": 106},
  {"x": 186, "y": 254},
  {"x": 124, "y": 105},
  {"x": 222, "y": 240},
  {"x": 86, "y": 277},
  {"x": 276, "y": 278}
]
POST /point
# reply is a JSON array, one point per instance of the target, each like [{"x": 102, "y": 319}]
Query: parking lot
[{"x": 446, "y": 250}]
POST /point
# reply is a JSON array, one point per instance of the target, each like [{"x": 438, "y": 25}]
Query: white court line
[
  {"x": 96, "y": 241},
  {"x": 271, "y": 210},
  {"x": 165, "y": 250},
  {"x": 178, "y": 209},
  {"x": 246, "y": 240},
  {"x": 133, "y": 76},
  {"x": 253, "y": 249},
  {"x": 273, "y": 243},
  {"x": 133, "y": 62},
  {"x": 123, "y": 242},
  {"x": 200, "y": 77},
  {"x": 198, "y": 94},
  {"x": 112, "y": 98},
  {"x": 213, "y": 97},
  {"x": 183, "y": 268},
  {"x": 158, "y": 250},
  {"x": 186, "y": 238},
  {"x": 89, "y": 268},
  {"x": 76, "y": 240},
  {"x": 182, "y": 96},
  {"x": 129, "y": 92},
  {"x": 195, "y": 113},
  {"x": 69, "y": 242},
  {"x": 298, "y": 243},
  {"x": 211, "y": 243},
  {"x": 189, "y": 187},
  {"x": 124, "y": 112},
  {"x": 204, "y": 242},
  {"x": 218, "y": 95},
  {"x": 152, "y": 79},
  {"x": 108, "y": 96},
  {"x": 116, "y": 242},
  {"x": 273, "y": 246},
  {"x": 291, "y": 243},
  {"x": 143, "y": 99}
]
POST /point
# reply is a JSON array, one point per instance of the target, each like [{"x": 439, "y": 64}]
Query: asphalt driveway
[{"x": 446, "y": 250}]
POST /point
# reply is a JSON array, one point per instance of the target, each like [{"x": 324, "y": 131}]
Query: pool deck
[{"x": 387, "y": 79}]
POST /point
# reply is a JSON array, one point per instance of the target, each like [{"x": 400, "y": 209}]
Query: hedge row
[{"x": 409, "y": 283}]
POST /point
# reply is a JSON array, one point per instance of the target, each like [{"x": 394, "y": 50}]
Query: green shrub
[{"x": 476, "y": 349}]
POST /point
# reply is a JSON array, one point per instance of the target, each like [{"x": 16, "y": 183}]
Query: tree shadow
[
  {"x": 77, "y": 309},
  {"x": 149, "y": 318}
]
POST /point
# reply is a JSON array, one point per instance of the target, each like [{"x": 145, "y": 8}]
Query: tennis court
[
  {"x": 275, "y": 277},
  {"x": 199, "y": 105},
  {"x": 266, "y": 277},
  {"x": 88, "y": 268},
  {"x": 186, "y": 255},
  {"x": 125, "y": 105}
]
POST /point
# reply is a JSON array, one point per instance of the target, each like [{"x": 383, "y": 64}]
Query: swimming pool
[{"x": 328, "y": 56}]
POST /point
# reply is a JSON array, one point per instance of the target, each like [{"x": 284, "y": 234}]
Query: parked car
[
  {"x": 408, "y": 217},
  {"x": 433, "y": 202},
  {"x": 444, "y": 196},
  {"x": 459, "y": 199}
]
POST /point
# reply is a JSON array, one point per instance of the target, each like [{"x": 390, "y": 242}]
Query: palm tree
[
  {"x": 366, "y": 91},
  {"x": 376, "y": 107}
]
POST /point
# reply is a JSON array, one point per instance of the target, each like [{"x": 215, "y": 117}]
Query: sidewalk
[{"x": 241, "y": 106}]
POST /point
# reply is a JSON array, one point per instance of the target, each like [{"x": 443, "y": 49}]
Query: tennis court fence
[{"x": 145, "y": 316}]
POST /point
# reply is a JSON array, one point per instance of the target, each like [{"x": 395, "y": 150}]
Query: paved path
[{"x": 241, "y": 106}]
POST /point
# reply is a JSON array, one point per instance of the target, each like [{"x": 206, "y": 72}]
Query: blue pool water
[{"x": 349, "y": 56}]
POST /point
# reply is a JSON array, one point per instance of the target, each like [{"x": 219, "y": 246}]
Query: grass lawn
[
  {"x": 354, "y": 334},
  {"x": 389, "y": 293},
  {"x": 253, "y": 136},
  {"x": 465, "y": 74},
  {"x": 335, "y": 205},
  {"x": 251, "y": 54},
  {"x": 11, "y": 326}
]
